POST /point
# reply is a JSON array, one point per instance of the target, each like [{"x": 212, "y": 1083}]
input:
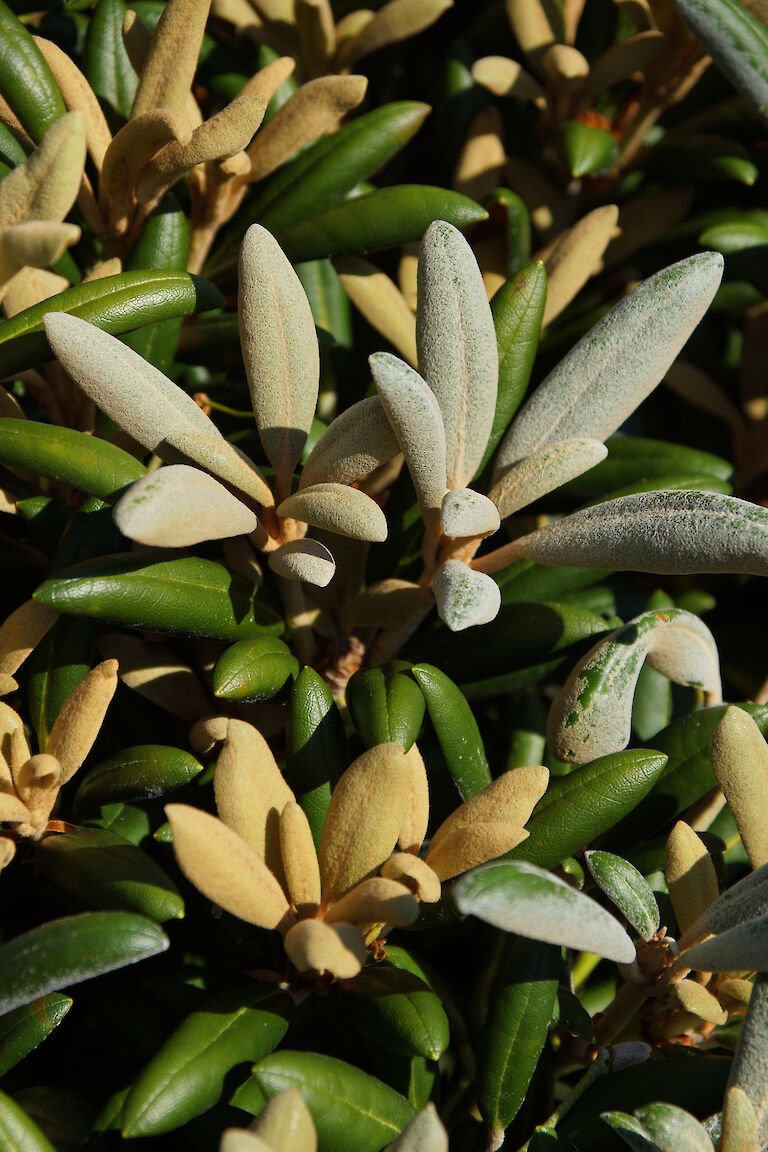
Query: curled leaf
[
  {"x": 45, "y": 186},
  {"x": 337, "y": 508},
  {"x": 415, "y": 874},
  {"x": 375, "y": 901},
  {"x": 306, "y": 560},
  {"x": 315, "y": 946}
]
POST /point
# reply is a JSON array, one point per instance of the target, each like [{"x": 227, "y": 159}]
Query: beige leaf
[
  {"x": 407, "y": 273},
  {"x": 739, "y": 1127},
  {"x": 28, "y": 287},
  {"x": 699, "y": 1002},
  {"x": 103, "y": 268},
  {"x": 78, "y": 96},
  {"x": 178, "y": 506},
  {"x": 240, "y": 1139},
  {"x": 425, "y": 1133},
  {"x": 563, "y": 64},
  {"x": 518, "y": 485},
  {"x": 355, "y": 444},
  {"x": 693, "y": 384},
  {"x": 82, "y": 714},
  {"x": 482, "y": 160},
  {"x": 251, "y": 793},
  {"x": 413, "y": 828},
  {"x": 734, "y": 992},
  {"x": 34, "y": 243},
  {"x": 316, "y": 109},
  {"x": 225, "y": 869},
  {"x": 280, "y": 351},
  {"x": 576, "y": 256},
  {"x": 286, "y": 1122},
  {"x": 388, "y": 604},
  {"x": 306, "y": 560},
  {"x": 364, "y": 818},
  {"x": 511, "y": 798},
  {"x": 314, "y": 946},
  {"x": 46, "y": 185},
  {"x": 622, "y": 59},
  {"x": 691, "y": 876},
  {"x": 646, "y": 217},
  {"x": 170, "y": 67},
  {"x": 130, "y": 151},
  {"x": 398, "y": 20},
  {"x": 337, "y": 508},
  {"x": 505, "y": 77},
  {"x": 156, "y": 673},
  {"x": 7, "y": 851},
  {"x": 14, "y": 749},
  {"x": 22, "y": 631},
  {"x": 137, "y": 38},
  {"x": 206, "y": 734},
  {"x": 465, "y": 848},
  {"x": 146, "y": 404},
  {"x": 415, "y": 874},
  {"x": 381, "y": 303},
  {"x": 414, "y": 414},
  {"x": 38, "y": 782},
  {"x": 267, "y": 80},
  {"x": 275, "y": 11},
  {"x": 544, "y": 201},
  {"x": 468, "y": 513},
  {"x": 535, "y": 23},
  {"x": 12, "y": 809},
  {"x": 376, "y": 901},
  {"x": 465, "y": 599},
  {"x": 317, "y": 34},
  {"x": 300, "y": 867},
  {"x": 739, "y": 757}
]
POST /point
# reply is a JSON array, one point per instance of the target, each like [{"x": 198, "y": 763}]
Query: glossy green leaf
[
  {"x": 329, "y": 302},
  {"x": 115, "y": 304},
  {"x": 102, "y": 870},
  {"x": 352, "y": 1111},
  {"x": 127, "y": 820},
  {"x": 522, "y": 898},
  {"x": 578, "y": 808},
  {"x": 316, "y": 747},
  {"x": 584, "y": 150},
  {"x": 163, "y": 243},
  {"x": 397, "y": 1010},
  {"x": 384, "y": 218},
  {"x": 92, "y": 465},
  {"x": 186, "y": 1077},
  {"x": 106, "y": 65},
  {"x": 253, "y": 670},
  {"x": 18, "y": 1133},
  {"x": 736, "y": 40},
  {"x": 627, "y": 889},
  {"x": 24, "y": 1028},
  {"x": 518, "y": 229},
  {"x": 64, "y": 952},
  {"x": 456, "y": 730},
  {"x": 26, "y": 81},
  {"x": 56, "y": 666},
  {"x": 386, "y": 705},
  {"x": 189, "y": 595},
  {"x": 515, "y": 1030}
]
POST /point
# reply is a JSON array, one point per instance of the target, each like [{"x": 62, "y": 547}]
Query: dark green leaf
[
  {"x": 107, "y": 67},
  {"x": 57, "y": 666},
  {"x": 627, "y": 889},
  {"x": 164, "y": 243},
  {"x": 253, "y": 670},
  {"x": 24, "y": 1028},
  {"x": 397, "y": 1010},
  {"x": 329, "y": 302},
  {"x": 144, "y": 772},
  {"x": 316, "y": 746},
  {"x": 386, "y": 705},
  {"x": 26, "y": 81},
  {"x": 92, "y": 465},
  {"x": 456, "y": 730},
  {"x": 17, "y": 1132},
  {"x": 633, "y": 460},
  {"x": 586, "y": 151}
]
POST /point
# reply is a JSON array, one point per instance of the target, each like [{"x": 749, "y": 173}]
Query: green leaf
[
  {"x": 92, "y": 465},
  {"x": 64, "y": 952},
  {"x": 329, "y": 302},
  {"x": 386, "y": 705},
  {"x": 456, "y": 730},
  {"x": 102, "y": 870},
  {"x": 518, "y": 229},
  {"x": 578, "y": 808},
  {"x": 57, "y": 666},
  {"x": 253, "y": 670},
  {"x": 627, "y": 889},
  {"x": 385, "y": 218},
  {"x": 17, "y": 1132},
  {"x": 585, "y": 151},
  {"x": 26, "y": 81},
  {"x": 352, "y": 1111},
  {"x": 522, "y": 898},
  {"x": 316, "y": 747},
  {"x": 24, "y": 1028},
  {"x": 186, "y": 1077},
  {"x": 106, "y": 65},
  {"x": 515, "y": 1031},
  {"x": 189, "y": 595},
  {"x": 736, "y": 40},
  {"x": 395, "y": 1009},
  {"x": 633, "y": 459},
  {"x": 703, "y": 157},
  {"x": 750, "y": 1063},
  {"x": 116, "y": 304},
  {"x": 163, "y": 243}
]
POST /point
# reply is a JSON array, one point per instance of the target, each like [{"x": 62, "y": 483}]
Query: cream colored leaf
[
  {"x": 38, "y": 782},
  {"x": 241, "y": 1140},
  {"x": 35, "y": 244},
  {"x": 734, "y": 992},
  {"x": 225, "y": 869},
  {"x": 280, "y": 351},
  {"x": 691, "y": 876},
  {"x": 7, "y": 851},
  {"x": 388, "y": 604},
  {"x": 104, "y": 268},
  {"x": 416, "y": 803},
  {"x": 381, "y": 303},
  {"x": 646, "y": 217},
  {"x": 28, "y": 287},
  {"x": 317, "y": 108},
  {"x": 12, "y": 809},
  {"x": 458, "y": 356},
  {"x": 80, "y": 718},
  {"x": 178, "y": 506},
  {"x": 465, "y": 599},
  {"x": 563, "y": 64},
  {"x": 300, "y": 867},
  {"x": 14, "y": 749},
  {"x": 157, "y": 674},
  {"x": 170, "y": 67},
  {"x": 465, "y": 848},
  {"x": 576, "y": 256},
  {"x": 699, "y": 1002},
  {"x": 306, "y": 560},
  {"x": 739, "y": 757},
  {"x": 78, "y": 96},
  {"x": 45, "y": 186},
  {"x": 398, "y": 20},
  {"x": 364, "y": 818},
  {"x": 22, "y": 631},
  {"x": 535, "y": 23},
  {"x": 505, "y": 77},
  {"x": 511, "y": 798},
  {"x": 739, "y": 1122},
  {"x": 620, "y": 61},
  {"x": 415, "y": 874},
  {"x": 314, "y": 946},
  {"x": 355, "y": 444},
  {"x": 337, "y": 508},
  {"x": 286, "y": 1123},
  {"x": 425, "y": 1133},
  {"x": 205, "y": 734},
  {"x": 518, "y": 485},
  {"x": 146, "y": 404},
  {"x": 481, "y": 163},
  {"x": 375, "y": 901},
  {"x": 468, "y": 513}
]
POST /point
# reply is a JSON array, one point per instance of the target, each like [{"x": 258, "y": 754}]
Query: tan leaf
[
  {"x": 337, "y": 508},
  {"x": 316, "y": 109},
  {"x": 137, "y": 38},
  {"x": 317, "y": 34},
  {"x": 734, "y": 992},
  {"x": 381, "y": 303},
  {"x": 511, "y": 797},
  {"x": 306, "y": 560},
  {"x": 22, "y": 631},
  {"x": 535, "y": 23},
  {"x": 275, "y": 11},
  {"x": 691, "y": 876},
  {"x": 482, "y": 160},
  {"x": 12, "y": 809},
  {"x": 376, "y": 901},
  {"x": 364, "y": 818},
  {"x": 468, "y": 513},
  {"x": 415, "y": 874},
  {"x": 7, "y": 851},
  {"x": 576, "y": 256},
  {"x": 693, "y": 384},
  {"x": 739, "y": 757},
  {"x": 350, "y": 27},
  {"x": 520, "y": 484},
  {"x": 280, "y": 351},
  {"x": 407, "y": 273},
  {"x": 267, "y": 80},
  {"x": 14, "y": 748},
  {"x": 146, "y": 404},
  {"x": 389, "y": 603},
  {"x": 646, "y": 217},
  {"x": 207, "y": 733},
  {"x": 314, "y": 946},
  {"x": 542, "y": 198},
  {"x": 464, "y": 598},
  {"x": 620, "y": 61},
  {"x": 157, "y": 674},
  {"x": 46, "y": 185},
  {"x": 286, "y": 1122},
  {"x": 38, "y": 782},
  {"x": 465, "y": 848},
  {"x": 740, "y": 1128},
  {"x": 398, "y": 20},
  {"x": 104, "y": 268},
  {"x": 413, "y": 828},
  {"x": 240, "y": 1139},
  {"x": 35, "y": 244},
  {"x": 168, "y": 72},
  {"x": 82, "y": 714},
  {"x": 28, "y": 287},
  {"x": 424, "y": 1133},
  {"x": 300, "y": 867},
  {"x": 563, "y": 64},
  {"x": 697, "y": 1000},
  {"x": 130, "y": 151},
  {"x": 177, "y": 506},
  {"x": 505, "y": 77},
  {"x": 78, "y": 96},
  {"x": 355, "y": 444},
  {"x": 225, "y": 869}
]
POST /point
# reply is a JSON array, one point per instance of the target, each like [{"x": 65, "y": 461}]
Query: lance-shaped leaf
[
  {"x": 543, "y": 471},
  {"x": 414, "y": 414},
  {"x": 749, "y": 1071},
  {"x": 698, "y": 1001},
  {"x": 397, "y": 20},
  {"x": 337, "y": 508},
  {"x": 456, "y": 730},
  {"x": 280, "y": 352},
  {"x": 690, "y": 874},
  {"x": 22, "y": 1030},
  {"x": 225, "y": 869},
  {"x": 45, "y": 186},
  {"x": 739, "y": 758},
  {"x": 302, "y": 873},
  {"x": 627, "y": 889},
  {"x": 535, "y": 23},
  {"x": 465, "y": 599},
  {"x": 28, "y": 85},
  {"x": 315, "y": 746},
  {"x": 169, "y": 70},
  {"x": 736, "y": 40},
  {"x": 468, "y": 513},
  {"x": 740, "y": 949},
  {"x": 619, "y": 362},
  {"x": 743, "y": 901},
  {"x": 77, "y": 724},
  {"x": 521, "y": 898},
  {"x": 356, "y": 443},
  {"x": 306, "y": 560},
  {"x": 20, "y": 633},
  {"x": 577, "y": 255},
  {"x": 146, "y": 404},
  {"x": 142, "y": 772},
  {"x": 456, "y": 339},
  {"x": 592, "y": 713},
  {"x": 178, "y": 506},
  {"x": 505, "y": 77},
  {"x": 106, "y": 64},
  {"x": 78, "y": 96},
  {"x": 381, "y": 303},
  {"x": 130, "y": 151}
]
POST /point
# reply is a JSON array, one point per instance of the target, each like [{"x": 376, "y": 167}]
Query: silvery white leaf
[
  {"x": 178, "y": 506},
  {"x": 743, "y": 948},
  {"x": 337, "y": 508},
  {"x": 306, "y": 560},
  {"x": 465, "y": 598},
  {"x": 425, "y": 1133},
  {"x": 468, "y": 513},
  {"x": 533, "y": 477},
  {"x": 743, "y": 901}
]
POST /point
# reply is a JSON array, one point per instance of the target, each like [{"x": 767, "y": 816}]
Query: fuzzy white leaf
[
  {"x": 356, "y": 443},
  {"x": 425, "y": 1133},
  {"x": 542, "y": 472},
  {"x": 465, "y": 598},
  {"x": 468, "y": 513},
  {"x": 337, "y": 508},
  {"x": 306, "y": 560},
  {"x": 179, "y": 506},
  {"x": 740, "y": 949}
]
